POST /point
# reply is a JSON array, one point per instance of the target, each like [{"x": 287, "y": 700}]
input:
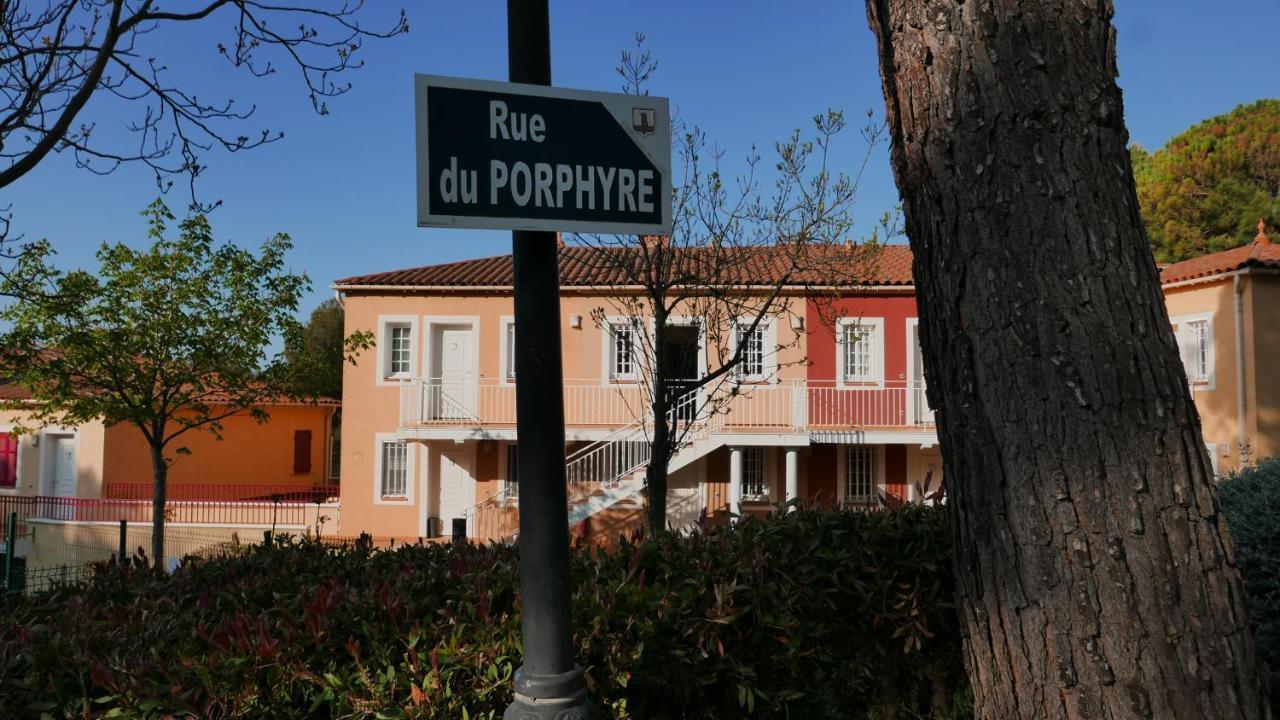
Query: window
[
  {"x": 395, "y": 469},
  {"x": 622, "y": 351},
  {"x": 752, "y": 343},
  {"x": 399, "y": 349},
  {"x": 859, "y": 347},
  {"x": 1196, "y": 358},
  {"x": 513, "y": 475},
  {"x": 753, "y": 475},
  {"x": 509, "y": 351},
  {"x": 859, "y": 474},
  {"x": 301, "y": 452},
  {"x": 1195, "y": 345},
  {"x": 8, "y": 460}
]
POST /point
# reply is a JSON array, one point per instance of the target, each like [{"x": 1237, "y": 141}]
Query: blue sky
[{"x": 747, "y": 72}]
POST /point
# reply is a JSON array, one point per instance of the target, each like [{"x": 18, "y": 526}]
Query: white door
[
  {"x": 916, "y": 400},
  {"x": 457, "y": 489},
  {"x": 63, "y": 476},
  {"x": 452, "y": 369}
]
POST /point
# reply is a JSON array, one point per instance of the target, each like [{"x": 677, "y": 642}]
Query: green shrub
[
  {"x": 811, "y": 614},
  {"x": 1251, "y": 504}
]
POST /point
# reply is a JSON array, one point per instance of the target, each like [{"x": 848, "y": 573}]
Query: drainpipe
[{"x": 1241, "y": 396}]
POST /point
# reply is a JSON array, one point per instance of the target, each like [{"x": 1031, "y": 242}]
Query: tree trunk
[
  {"x": 160, "y": 476},
  {"x": 655, "y": 475},
  {"x": 1095, "y": 575}
]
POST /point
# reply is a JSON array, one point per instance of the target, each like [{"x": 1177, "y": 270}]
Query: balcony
[{"x": 792, "y": 406}]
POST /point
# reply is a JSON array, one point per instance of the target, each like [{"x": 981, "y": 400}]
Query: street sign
[{"x": 510, "y": 156}]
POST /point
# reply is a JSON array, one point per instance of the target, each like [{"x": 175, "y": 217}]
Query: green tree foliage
[
  {"x": 1251, "y": 504},
  {"x": 171, "y": 339},
  {"x": 1207, "y": 188},
  {"x": 322, "y": 348}
]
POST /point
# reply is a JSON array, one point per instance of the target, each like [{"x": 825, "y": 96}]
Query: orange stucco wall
[
  {"x": 249, "y": 453},
  {"x": 371, "y": 404},
  {"x": 1264, "y": 362}
]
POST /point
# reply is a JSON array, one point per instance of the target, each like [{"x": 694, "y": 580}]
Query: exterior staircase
[{"x": 599, "y": 476}]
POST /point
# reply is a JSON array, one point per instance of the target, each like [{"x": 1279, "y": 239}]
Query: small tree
[
  {"x": 316, "y": 359},
  {"x": 739, "y": 258},
  {"x": 171, "y": 339}
]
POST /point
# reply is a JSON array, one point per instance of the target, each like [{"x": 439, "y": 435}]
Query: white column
[
  {"x": 735, "y": 480},
  {"x": 793, "y": 473}
]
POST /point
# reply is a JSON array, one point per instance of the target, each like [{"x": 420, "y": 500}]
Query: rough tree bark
[
  {"x": 660, "y": 450},
  {"x": 1095, "y": 575},
  {"x": 160, "y": 486}
]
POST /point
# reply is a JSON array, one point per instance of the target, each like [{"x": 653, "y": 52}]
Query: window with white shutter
[
  {"x": 860, "y": 344},
  {"x": 1194, "y": 334}
]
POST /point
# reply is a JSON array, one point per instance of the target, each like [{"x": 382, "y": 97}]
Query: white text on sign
[{"x": 584, "y": 187}]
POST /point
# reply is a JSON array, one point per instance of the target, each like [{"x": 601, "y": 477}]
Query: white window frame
[
  {"x": 1182, "y": 329},
  {"x": 768, "y": 351},
  {"x": 507, "y": 371},
  {"x": 504, "y": 471},
  {"x": 410, "y": 479},
  {"x": 608, "y": 354},
  {"x": 385, "y": 323},
  {"x": 877, "y": 474},
  {"x": 875, "y": 378},
  {"x": 766, "y": 474}
]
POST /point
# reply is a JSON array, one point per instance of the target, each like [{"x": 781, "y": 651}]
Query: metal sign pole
[{"x": 549, "y": 684}]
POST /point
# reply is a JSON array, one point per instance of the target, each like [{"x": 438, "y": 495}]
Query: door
[
  {"x": 457, "y": 489},
  {"x": 63, "y": 476},
  {"x": 680, "y": 358},
  {"x": 917, "y": 403},
  {"x": 451, "y": 373}
]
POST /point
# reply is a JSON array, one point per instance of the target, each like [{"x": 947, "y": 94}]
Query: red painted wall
[{"x": 821, "y": 337}]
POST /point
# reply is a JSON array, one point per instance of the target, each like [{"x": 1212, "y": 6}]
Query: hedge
[
  {"x": 1251, "y": 503},
  {"x": 810, "y": 614}
]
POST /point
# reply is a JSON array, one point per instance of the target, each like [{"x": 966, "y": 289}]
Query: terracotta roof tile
[
  {"x": 1256, "y": 254},
  {"x": 582, "y": 267}
]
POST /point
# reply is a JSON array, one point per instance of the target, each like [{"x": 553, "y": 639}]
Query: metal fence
[{"x": 43, "y": 548}]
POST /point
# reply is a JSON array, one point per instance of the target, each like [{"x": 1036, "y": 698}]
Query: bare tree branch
[
  {"x": 745, "y": 253},
  {"x": 56, "y": 55}
]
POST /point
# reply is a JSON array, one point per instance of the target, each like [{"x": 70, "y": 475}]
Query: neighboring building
[
  {"x": 70, "y": 488},
  {"x": 430, "y": 417},
  {"x": 1224, "y": 309},
  {"x": 252, "y": 460}
]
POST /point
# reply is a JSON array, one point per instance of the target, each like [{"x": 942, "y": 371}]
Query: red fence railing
[
  {"x": 24, "y": 506},
  {"x": 219, "y": 491}
]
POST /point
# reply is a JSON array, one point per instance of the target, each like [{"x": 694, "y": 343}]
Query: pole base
[{"x": 550, "y": 697}]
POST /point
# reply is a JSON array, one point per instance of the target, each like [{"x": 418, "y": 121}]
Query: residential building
[
  {"x": 828, "y": 405},
  {"x": 291, "y": 451},
  {"x": 1223, "y": 308},
  {"x": 71, "y": 488}
]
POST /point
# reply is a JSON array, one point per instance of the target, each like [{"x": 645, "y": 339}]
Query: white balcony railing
[{"x": 787, "y": 406}]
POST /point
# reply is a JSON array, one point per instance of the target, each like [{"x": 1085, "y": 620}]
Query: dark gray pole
[
  {"x": 10, "y": 539},
  {"x": 123, "y": 548},
  {"x": 549, "y": 684}
]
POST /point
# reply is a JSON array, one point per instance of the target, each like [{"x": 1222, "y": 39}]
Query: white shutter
[{"x": 1188, "y": 350}]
